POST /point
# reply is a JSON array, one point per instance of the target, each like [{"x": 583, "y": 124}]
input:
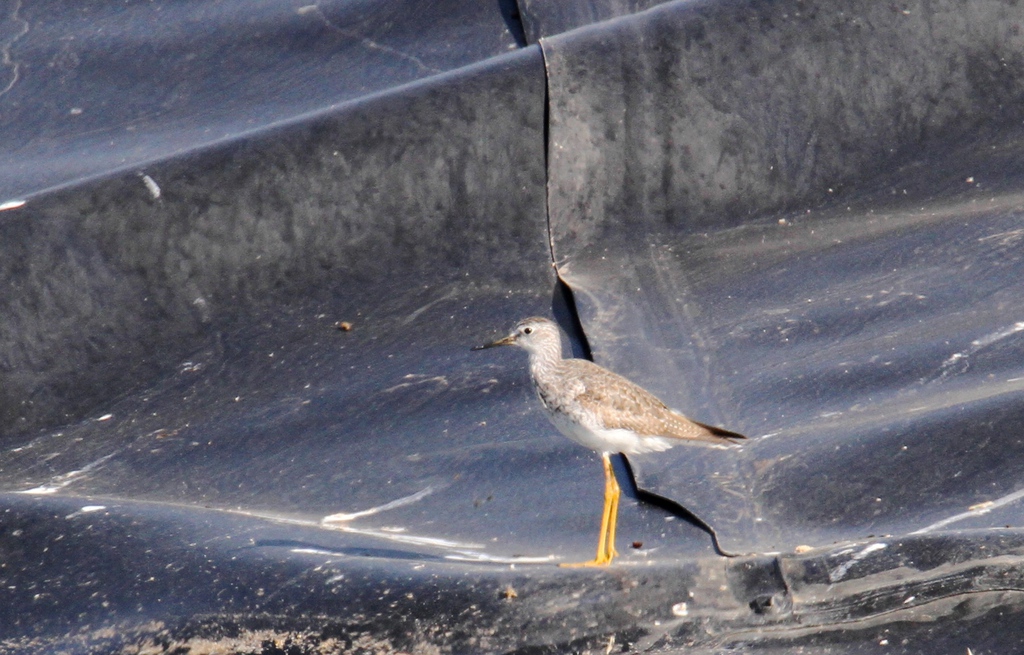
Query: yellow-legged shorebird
[{"x": 602, "y": 411}]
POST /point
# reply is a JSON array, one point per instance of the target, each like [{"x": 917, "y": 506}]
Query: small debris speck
[{"x": 344, "y": 326}]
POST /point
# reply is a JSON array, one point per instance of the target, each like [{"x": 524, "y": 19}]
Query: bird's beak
[{"x": 507, "y": 341}]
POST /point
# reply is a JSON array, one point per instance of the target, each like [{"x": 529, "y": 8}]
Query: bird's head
[{"x": 534, "y": 335}]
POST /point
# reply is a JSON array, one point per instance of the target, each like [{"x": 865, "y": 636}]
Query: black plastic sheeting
[
  {"x": 794, "y": 238},
  {"x": 246, "y": 248},
  {"x": 103, "y": 86},
  {"x": 542, "y": 19}
]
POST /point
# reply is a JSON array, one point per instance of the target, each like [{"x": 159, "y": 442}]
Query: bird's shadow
[{"x": 623, "y": 471}]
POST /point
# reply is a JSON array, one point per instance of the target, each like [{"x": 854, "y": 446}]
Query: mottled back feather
[
  {"x": 620, "y": 404},
  {"x": 598, "y": 408}
]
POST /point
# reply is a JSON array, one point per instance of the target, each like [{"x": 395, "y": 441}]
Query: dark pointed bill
[{"x": 507, "y": 341}]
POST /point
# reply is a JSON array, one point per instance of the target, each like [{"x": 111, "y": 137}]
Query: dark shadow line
[
  {"x": 513, "y": 21},
  {"x": 546, "y": 124},
  {"x": 563, "y": 306},
  {"x": 676, "y": 509}
]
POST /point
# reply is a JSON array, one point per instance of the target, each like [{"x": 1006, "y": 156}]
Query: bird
[{"x": 603, "y": 411}]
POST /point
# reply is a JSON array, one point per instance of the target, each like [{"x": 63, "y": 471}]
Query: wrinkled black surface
[
  {"x": 542, "y": 18},
  {"x": 103, "y": 86},
  {"x": 796, "y": 220},
  {"x": 243, "y": 584},
  {"x": 337, "y": 204},
  {"x": 779, "y": 228}
]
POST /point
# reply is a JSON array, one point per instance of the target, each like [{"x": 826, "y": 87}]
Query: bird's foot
[
  {"x": 580, "y": 565},
  {"x": 604, "y": 559}
]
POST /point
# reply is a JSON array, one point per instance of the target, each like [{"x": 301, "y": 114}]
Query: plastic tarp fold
[
  {"x": 781, "y": 229},
  {"x": 246, "y": 248}
]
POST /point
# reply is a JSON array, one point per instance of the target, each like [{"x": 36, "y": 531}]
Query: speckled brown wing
[{"x": 621, "y": 404}]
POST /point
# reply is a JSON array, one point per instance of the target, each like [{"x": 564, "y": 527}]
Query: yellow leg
[
  {"x": 613, "y": 511},
  {"x": 609, "y": 517}
]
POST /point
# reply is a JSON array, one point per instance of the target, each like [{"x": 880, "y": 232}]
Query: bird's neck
[{"x": 545, "y": 359}]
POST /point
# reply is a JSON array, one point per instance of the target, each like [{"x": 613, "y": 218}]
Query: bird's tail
[{"x": 717, "y": 435}]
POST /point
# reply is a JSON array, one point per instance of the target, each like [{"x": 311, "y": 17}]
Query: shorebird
[{"x": 602, "y": 411}]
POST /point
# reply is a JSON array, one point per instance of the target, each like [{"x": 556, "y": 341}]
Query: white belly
[{"x": 609, "y": 441}]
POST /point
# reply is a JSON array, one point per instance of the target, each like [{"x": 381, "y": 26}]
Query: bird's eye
[{"x": 527, "y": 330}]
